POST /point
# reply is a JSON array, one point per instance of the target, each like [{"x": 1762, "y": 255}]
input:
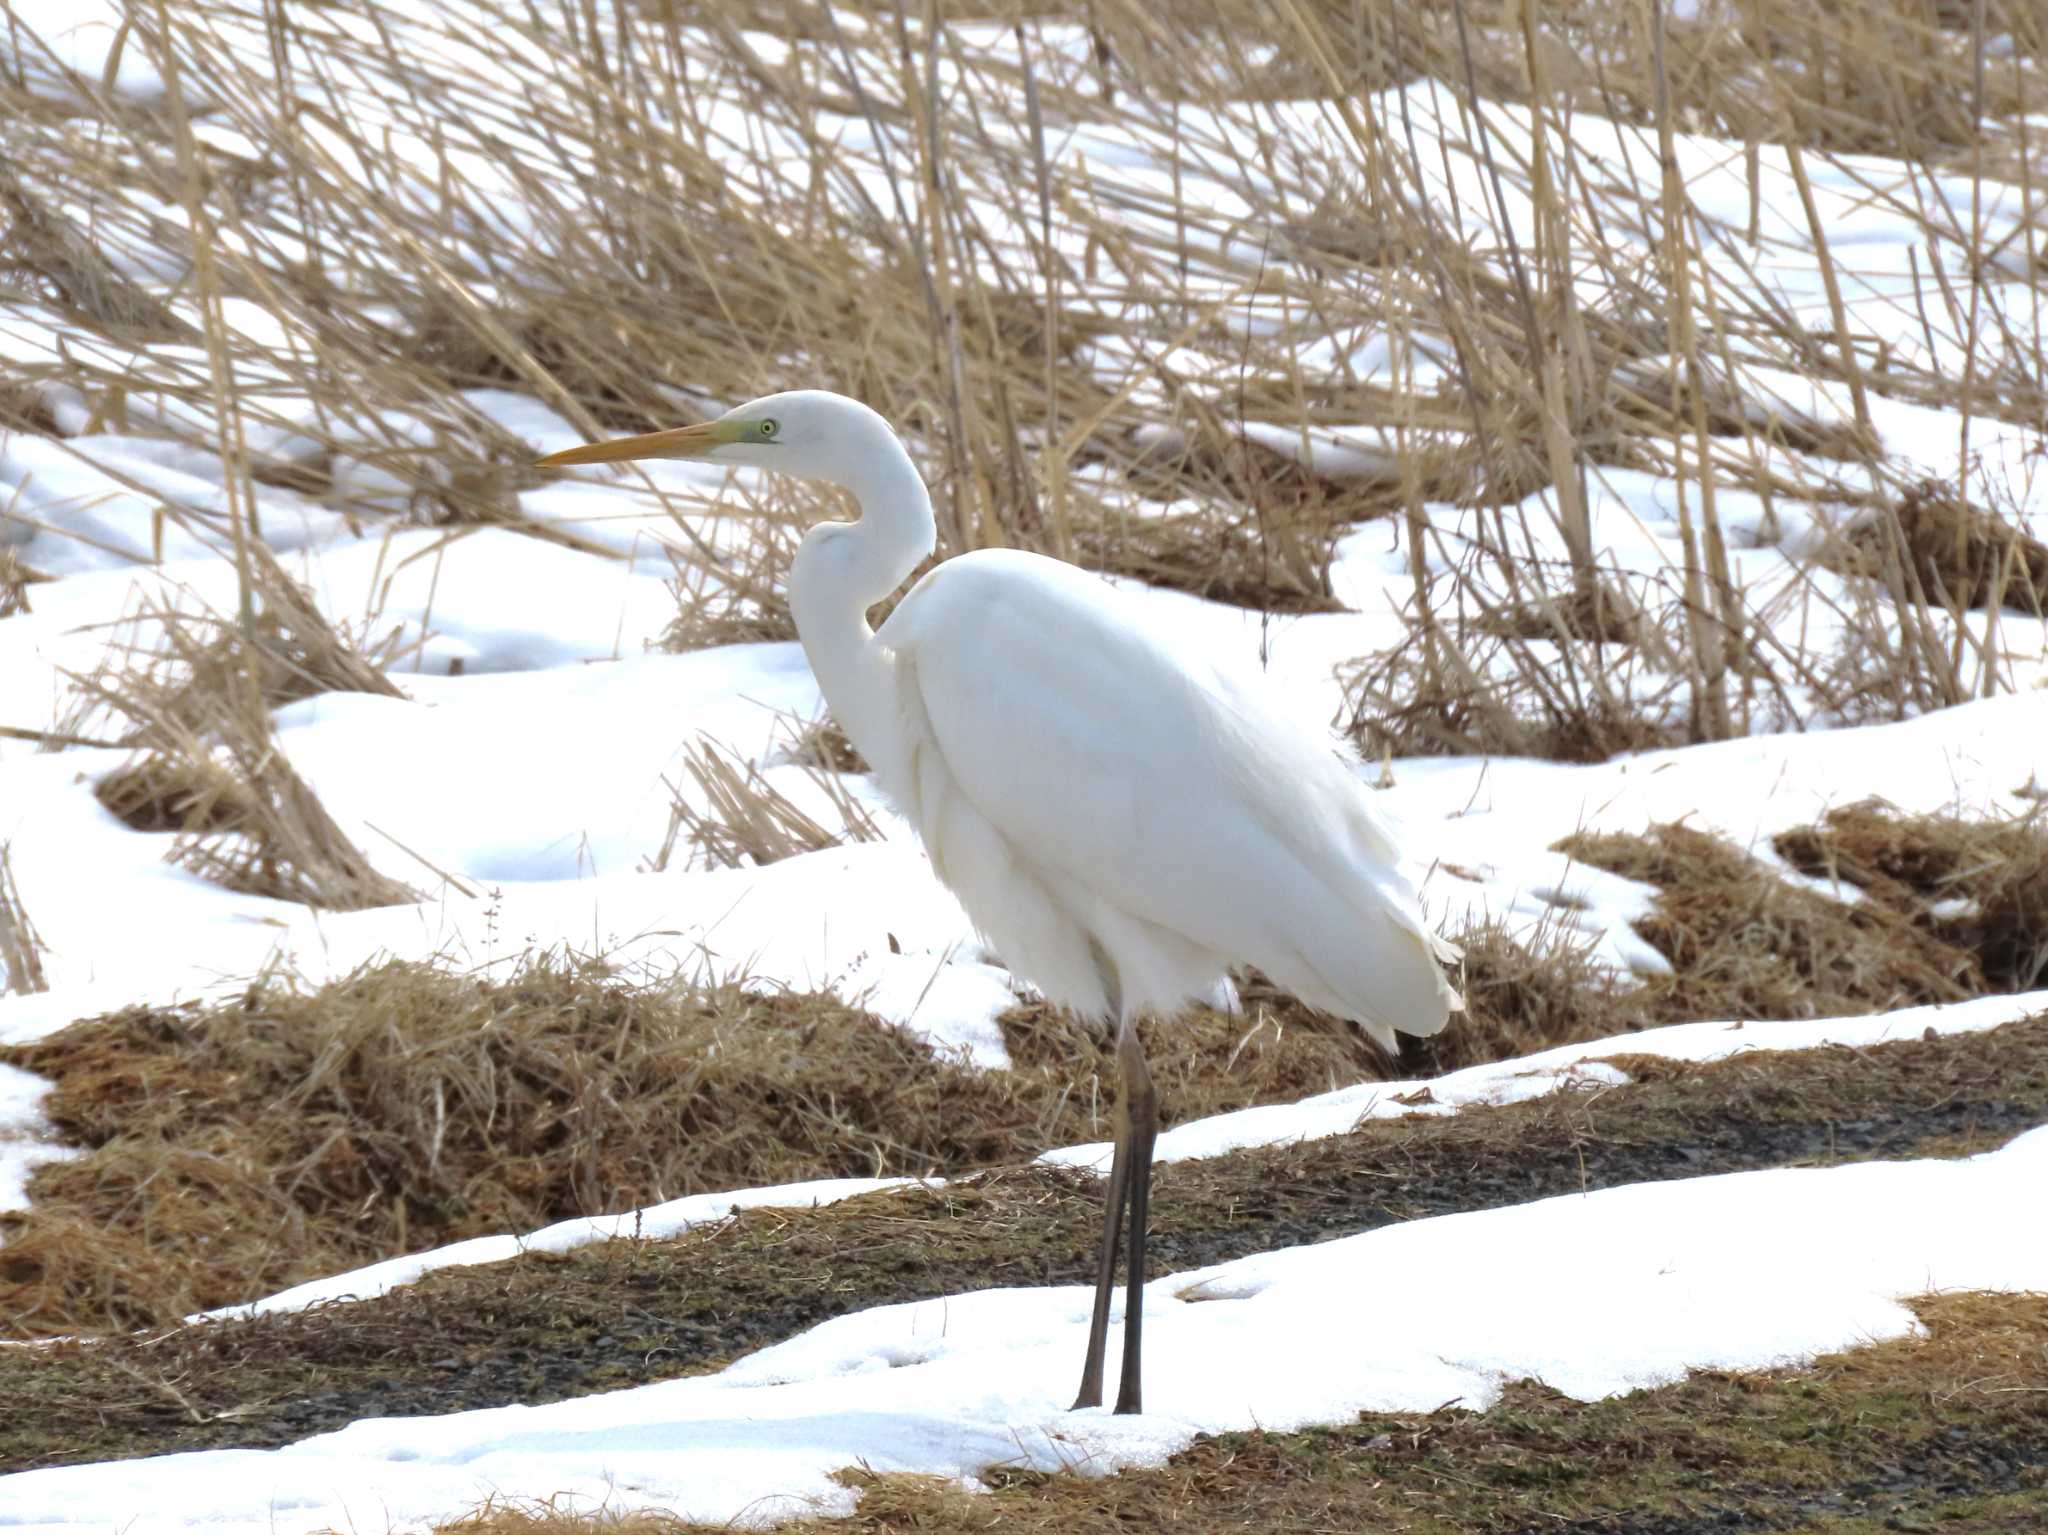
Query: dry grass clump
[
  {"x": 746, "y": 821},
  {"x": 1275, "y": 1049},
  {"x": 16, "y": 578},
  {"x": 1204, "y": 1061},
  {"x": 1869, "y": 75},
  {"x": 1850, "y": 76},
  {"x": 1744, "y": 943},
  {"x": 1979, "y": 885},
  {"x": 1241, "y": 558},
  {"x": 239, "y": 1149},
  {"x": 820, "y": 743},
  {"x": 1535, "y": 676},
  {"x": 197, "y": 706},
  {"x": 191, "y": 793},
  {"x": 21, "y": 951},
  {"x": 1520, "y": 999},
  {"x": 1954, "y": 909},
  {"x": 242, "y": 1148},
  {"x": 1947, "y": 553},
  {"x": 288, "y": 644}
]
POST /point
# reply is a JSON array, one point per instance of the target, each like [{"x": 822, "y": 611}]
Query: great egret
[{"x": 1121, "y": 822}]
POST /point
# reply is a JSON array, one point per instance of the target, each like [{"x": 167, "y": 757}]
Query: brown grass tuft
[
  {"x": 1954, "y": 555},
  {"x": 1995, "y": 873},
  {"x": 1204, "y": 1061},
  {"x": 1745, "y": 943},
  {"x": 197, "y": 706},
  {"x": 1519, "y": 1000},
  {"x": 15, "y": 580},
  {"x": 192, "y": 793},
  {"x": 822, "y": 744},
  {"x": 238, "y": 1149},
  {"x": 745, "y": 820},
  {"x": 512, "y": 1516},
  {"x": 1220, "y": 556},
  {"x": 21, "y": 951},
  {"x": 242, "y": 1148},
  {"x": 1518, "y": 679}
]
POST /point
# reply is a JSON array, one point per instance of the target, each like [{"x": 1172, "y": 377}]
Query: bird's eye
[{"x": 768, "y": 428}]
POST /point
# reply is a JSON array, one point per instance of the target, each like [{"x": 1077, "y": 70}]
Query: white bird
[{"x": 1121, "y": 822}]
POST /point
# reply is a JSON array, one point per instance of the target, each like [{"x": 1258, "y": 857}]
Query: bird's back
[{"x": 1067, "y": 765}]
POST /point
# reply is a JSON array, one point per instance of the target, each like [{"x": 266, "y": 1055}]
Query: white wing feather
[{"x": 1078, "y": 784}]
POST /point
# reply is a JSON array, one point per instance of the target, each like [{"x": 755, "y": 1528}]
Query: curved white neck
[{"x": 842, "y": 570}]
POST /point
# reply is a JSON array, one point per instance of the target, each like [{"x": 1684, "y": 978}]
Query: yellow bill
[{"x": 676, "y": 442}]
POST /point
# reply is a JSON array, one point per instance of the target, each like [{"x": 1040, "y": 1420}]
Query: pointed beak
[{"x": 676, "y": 442}]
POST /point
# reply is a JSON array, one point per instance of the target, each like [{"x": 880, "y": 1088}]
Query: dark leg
[
  {"x": 1105, "y": 1268},
  {"x": 1141, "y": 1129},
  {"x": 1113, "y": 1215}
]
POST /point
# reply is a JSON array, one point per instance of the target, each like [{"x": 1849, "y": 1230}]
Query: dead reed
[
  {"x": 1980, "y": 885},
  {"x": 1743, "y": 942},
  {"x": 15, "y": 580},
  {"x": 192, "y": 692},
  {"x": 21, "y": 951},
  {"x": 737, "y": 818},
  {"x": 1138, "y": 375}
]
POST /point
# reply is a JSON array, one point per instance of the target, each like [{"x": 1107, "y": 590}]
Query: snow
[
  {"x": 1635, "y": 1286},
  {"x": 523, "y": 782},
  {"x": 23, "y": 1143},
  {"x": 652, "y": 1224},
  {"x": 1550, "y": 1071}
]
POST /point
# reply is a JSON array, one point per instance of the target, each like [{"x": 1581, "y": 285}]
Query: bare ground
[{"x": 549, "y": 1326}]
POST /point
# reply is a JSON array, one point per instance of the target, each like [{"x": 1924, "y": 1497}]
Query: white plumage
[
  {"x": 1074, "y": 778},
  {"x": 1122, "y": 823}
]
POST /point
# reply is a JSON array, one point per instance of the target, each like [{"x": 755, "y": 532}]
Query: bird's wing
[{"x": 1124, "y": 774}]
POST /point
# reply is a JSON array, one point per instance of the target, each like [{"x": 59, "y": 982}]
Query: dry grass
[
  {"x": 237, "y": 1150},
  {"x": 745, "y": 820},
  {"x": 193, "y": 692},
  {"x": 233, "y": 1151},
  {"x": 1204, "y": 1061},
  {"x": 15, "y": 580},
  {"x": 820, "y": 743},
  {"x": 1540, "y": 676},
  {"x": 1745, "y": 943},
  {"x": 1106, "y": 371},
  {"x": 21, "y": 951},
  {"x": 1981, "y": 886},
  {"x": 1951, "y": 554},
  {"x": 1520, "y": 998}
]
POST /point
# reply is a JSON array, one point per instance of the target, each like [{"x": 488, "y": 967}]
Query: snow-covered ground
[
  {"x": 522, "y": 784},
  {"x": 1636, "y": 1286}
]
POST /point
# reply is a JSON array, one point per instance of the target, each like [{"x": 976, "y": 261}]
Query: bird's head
[{"x": 808, "y": 432}]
